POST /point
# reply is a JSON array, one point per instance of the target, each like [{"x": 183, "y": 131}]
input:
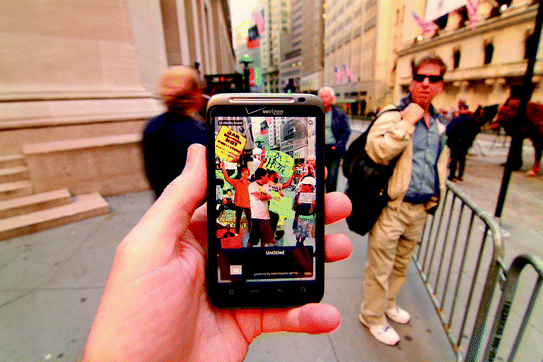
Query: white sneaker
[
  {"x": 398, "y": 315},
  {"x": 383, "y": 333}
]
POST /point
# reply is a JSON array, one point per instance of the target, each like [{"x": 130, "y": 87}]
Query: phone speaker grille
[{"x": 262, "y": 100}]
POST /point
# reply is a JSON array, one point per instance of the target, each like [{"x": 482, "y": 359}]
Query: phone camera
[{"x": 301, "y": 99}]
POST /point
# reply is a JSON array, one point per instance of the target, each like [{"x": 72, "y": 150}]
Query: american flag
[
  {"x": 338, "y": 73},
  {"x": 264, "y": 127},
  {"x": 348, "y": 73},
  {"x": 259, "y": 21},
  {"x": 253, "y": 40},
  {"x": 426, "y": 26},
  {"x": 471, "y": 7}
]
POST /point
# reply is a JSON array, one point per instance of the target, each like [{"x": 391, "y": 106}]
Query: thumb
[{"x": 161, "y": 228}]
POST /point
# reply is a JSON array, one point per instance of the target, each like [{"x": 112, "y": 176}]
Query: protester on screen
[
  {"x": 308, "y": 169},
  {"x": 155, "y": 305},
  {"x": 304, "y": 211},
  {"x": 417, "y": 136},
  {"x": 241, "y": 196},
  {"x": 278, "y": 187},
  {"x": 167, "y": 137},
  {"x": 259, "y": 197}
]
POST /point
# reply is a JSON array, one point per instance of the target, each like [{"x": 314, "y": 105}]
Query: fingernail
[{"x": 192, "y": 152}]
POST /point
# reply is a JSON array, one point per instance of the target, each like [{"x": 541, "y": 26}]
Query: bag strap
[{"x": 363, "y": 138}]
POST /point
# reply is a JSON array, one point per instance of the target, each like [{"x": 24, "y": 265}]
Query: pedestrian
[
  {"x": 337, "y": 132},
  {"x": 167, "y": 137},
  {"x": 155, "y": 305},
  {"x": 461, "y": 133},
  {"x": 259, "y": 196},
  {"x": 417, "y": 136},
  {"x": 241, "y": 196}
]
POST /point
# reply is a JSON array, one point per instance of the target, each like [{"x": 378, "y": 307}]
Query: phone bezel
[{"x": 266, "y": 294}]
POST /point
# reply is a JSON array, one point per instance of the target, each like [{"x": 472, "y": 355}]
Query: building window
[
  {"x": 529, "y": 46},
  {"x": 463, "y": 17},
  {"x": 456, "y": 59},
  {"x": 489, "y": 51}
]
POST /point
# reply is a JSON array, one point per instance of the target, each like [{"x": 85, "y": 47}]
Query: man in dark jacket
[
  {"x": 337, "y": 132},
  {"x": 167, "y": 137},
  {"x": 461, "y": 133}
]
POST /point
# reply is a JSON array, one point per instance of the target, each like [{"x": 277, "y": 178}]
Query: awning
[{"x": 346, "y": 100}]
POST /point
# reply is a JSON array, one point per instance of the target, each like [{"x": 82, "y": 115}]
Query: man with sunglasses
[{"x": 416, "y": 137}]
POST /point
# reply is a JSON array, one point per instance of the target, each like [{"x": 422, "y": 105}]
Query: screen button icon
[{"x": 235, "y": 270}]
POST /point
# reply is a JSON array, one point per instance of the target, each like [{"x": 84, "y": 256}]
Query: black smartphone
[{"x": 265, "y": 200}]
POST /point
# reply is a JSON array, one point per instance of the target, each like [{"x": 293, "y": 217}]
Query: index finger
[{"x": 337, "y": 206}]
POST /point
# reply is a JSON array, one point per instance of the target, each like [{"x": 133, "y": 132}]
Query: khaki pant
[{"x": 391, "y": 243}]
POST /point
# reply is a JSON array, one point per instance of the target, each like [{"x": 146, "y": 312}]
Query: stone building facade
[
  {"x": 78, "y": 77},
  {"x": 485, "y": 63}
]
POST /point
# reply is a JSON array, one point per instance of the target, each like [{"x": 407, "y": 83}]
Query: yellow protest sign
[
  {"x": 281, "y": 205},
  {"x": 280, "y": 162},
  {"x": 229, "y": 144}
]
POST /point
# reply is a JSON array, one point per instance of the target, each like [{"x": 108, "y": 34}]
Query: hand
[
  {"x": 412, "y": 113},
  {"x": 155, "y": 305}
]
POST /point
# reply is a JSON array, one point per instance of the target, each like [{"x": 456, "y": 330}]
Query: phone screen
[{"x": 265, "y": 204}]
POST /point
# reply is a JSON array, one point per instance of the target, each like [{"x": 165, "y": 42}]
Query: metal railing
[{"x": 460, "y": 259}]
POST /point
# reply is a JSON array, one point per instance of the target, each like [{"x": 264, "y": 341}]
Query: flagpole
[{"x": 516, "y": 140}]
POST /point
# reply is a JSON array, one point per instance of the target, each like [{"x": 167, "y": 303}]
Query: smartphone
[{"x": 265, "y": 200}]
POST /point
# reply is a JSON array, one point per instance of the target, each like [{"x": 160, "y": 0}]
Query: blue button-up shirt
[{"x": 426, "y": 149}]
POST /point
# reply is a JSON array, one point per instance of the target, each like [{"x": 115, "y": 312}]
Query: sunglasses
[{"x": 432, "y": 78}]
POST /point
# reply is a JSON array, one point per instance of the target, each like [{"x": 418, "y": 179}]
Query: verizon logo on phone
[{"x": 275, "y": 112}]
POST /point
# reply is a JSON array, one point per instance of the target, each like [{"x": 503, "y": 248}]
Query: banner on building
[
  {"x": 438, "y": 8},
  {"x": 255, "y": 76}
]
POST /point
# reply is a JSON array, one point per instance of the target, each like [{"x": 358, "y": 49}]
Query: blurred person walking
[
  {"x": 337, "y": 132},
  {"x": 167, "y": 137},
  {"x": 461, "y": 133},
  {"x": 416, "y": 137}
]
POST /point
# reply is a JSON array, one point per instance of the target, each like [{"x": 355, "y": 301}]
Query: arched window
[
  {"x": 489, "y": 51},
  {"x": 456, "y": 59}
]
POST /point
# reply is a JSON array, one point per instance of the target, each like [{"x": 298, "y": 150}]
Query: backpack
[
  {"x": 367, "y": 183},
  {"x": 357, "y": 148}
]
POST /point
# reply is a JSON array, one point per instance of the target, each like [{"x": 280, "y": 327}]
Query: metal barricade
[{"x": 460, "y": 259}]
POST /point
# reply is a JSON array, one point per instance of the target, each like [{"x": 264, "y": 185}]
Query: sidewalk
[{"x": 51, "y": 282}]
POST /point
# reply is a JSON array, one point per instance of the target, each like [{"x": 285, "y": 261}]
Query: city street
[
  {"x": 51, "y": 282},
  {"x": 86, "y": 83}
]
